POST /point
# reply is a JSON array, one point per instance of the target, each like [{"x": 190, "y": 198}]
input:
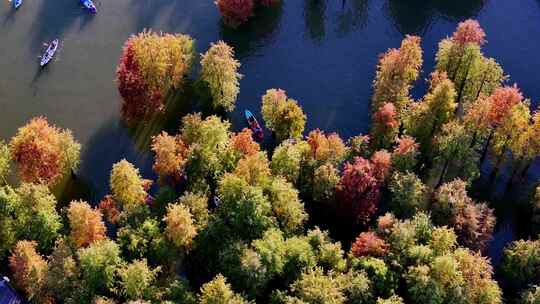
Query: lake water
[{"x": 323, "y": 53}]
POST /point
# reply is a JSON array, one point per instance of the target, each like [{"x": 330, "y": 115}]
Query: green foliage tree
[
  {"x": 218, "y": 291},
  {"x": 5, "y": 160},
  {"x": 207, "y": 139},
  {"x": 144, "y": 241},
  {"x": 28, "y": 212},
  {"x": 99, "y": 264},
  {"x": 408, "y": 194},
  {"x": 287, "y": 160},
  {"x": 425, "y": 119},
  {"x": 137, "y": 280},
  {"x": 220, "y": 72},
  {"x": 286, "y": 205},
  {"x": 531, "y": 295},
  {"x": 127, "y": 185},
  {"x": 396, "y": 71},
  {"x": 180, "y": 228},
  {"x": 461, "y": 58},
  {"x": 520, "y": 264},
  {"x": 454, "y": 155},
  {"x": 282, "y": 115}
]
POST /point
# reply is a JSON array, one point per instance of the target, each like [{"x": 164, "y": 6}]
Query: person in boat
[{"x": 254, "y": 125}]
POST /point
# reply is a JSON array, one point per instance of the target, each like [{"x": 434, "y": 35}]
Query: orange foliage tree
[
  {"x": 171, "y": 155},
  {"x": 86, "y": 224},
  {"x": 29, "y": 269},
  {"x": 43, "y": 153}
]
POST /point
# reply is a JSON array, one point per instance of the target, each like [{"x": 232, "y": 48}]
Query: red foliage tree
[
  {"x": 502, "y": 100},
  {"x": 369, "y": 244},
  {"x": 359, "y": 190},
  {"x": 469, "y": 31},
  {"x": 136, "y": 103},
  {"x": 110, "y": 209},
  {"x": 382, "y": 163},
  {"x": 235, "y": 12},
  {"x": 385, "y": 126}
]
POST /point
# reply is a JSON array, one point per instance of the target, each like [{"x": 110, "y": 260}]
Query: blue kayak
[
  {"x": 254, "y": 125},
  {"x": 17, "y": 3},
  {"x": 89, "y": 6}
]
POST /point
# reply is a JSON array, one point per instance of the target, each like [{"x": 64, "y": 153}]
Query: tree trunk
[
  {"x": 526, "y": 169},
  {"x": 443, "y": 173},
  {"x": 486, "y": 147},
  {"x": 482, "y": 83},
  {"x": 462, "y": 86}
]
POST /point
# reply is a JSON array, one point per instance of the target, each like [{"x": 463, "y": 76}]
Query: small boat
[
  {"x": 17, "y": 3},
  {"x": 254, "y": 125},
  {"x": 49, "y": 53},
  {"x": 89, "y": 6}
]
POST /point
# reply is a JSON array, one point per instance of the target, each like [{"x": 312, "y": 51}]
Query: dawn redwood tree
[
  {"x": 286, "y": 205},
  {"x": 86, "y": 224},
  {"x": 254, "y": 169},
  {"x": 520, "y": 265},
  {"x": 382, "y": 165},
  {"x": 455, "y": 155},
  {"x": 385, "y": 126},
  {"x": 171, "y": 156},
  {"x": 405, "y": 155},
  {"x": 325, "y": 181},
  {"x": 426, "y": 118},
  {"x": 219, "y": 291},
  {"x": 151, "y": 64},
  {"x": 473, "y": 223},
  {"x": 99, "y": 264},
  {"x": 326, "y": 148},
  {"x": 236, "y": 12},
  {"x": 244, "y": 144},
  {"x": 513, "y": 134},
  {"x": 396, "y": 71},
  {"x": 461, "y": 58},
  {"x": 137, "y": 280},
  {"x": 476, "y": 118},
  {"x": 359, "y": 190},
  {"x": 500, "y": 103},
  {"x": 287, "y": 159},
  {"x": 44, "y": 153},
  {"x": 29, "y": 270},
  {"x": 197, "y": 205},
  {"x": 5, "y": 160},
  {"x": 29, "y": 213},
  {"x": 282, "y": 115},
  {"x": 408, "y": 194},
  {"x": 127, "y": 186},
  {"x": 220, "y": 72},
  {"x": 209, "y": 141},
  {"x": 180, "y": 227},
  {"x": 369, "y": 244}
]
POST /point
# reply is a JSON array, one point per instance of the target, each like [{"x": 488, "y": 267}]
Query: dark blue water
[{"x": 323, "y": 53}]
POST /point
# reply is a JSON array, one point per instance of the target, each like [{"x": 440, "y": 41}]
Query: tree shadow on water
[
  {"x": 9, "y": 16},
  {"x": 315, "y": 19},
  {"x": 352, "y": 16},
  {"x": 256, "y": 33},
  {"x": 110, "y": 144},
  {"x": 415, "y": 16}
]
